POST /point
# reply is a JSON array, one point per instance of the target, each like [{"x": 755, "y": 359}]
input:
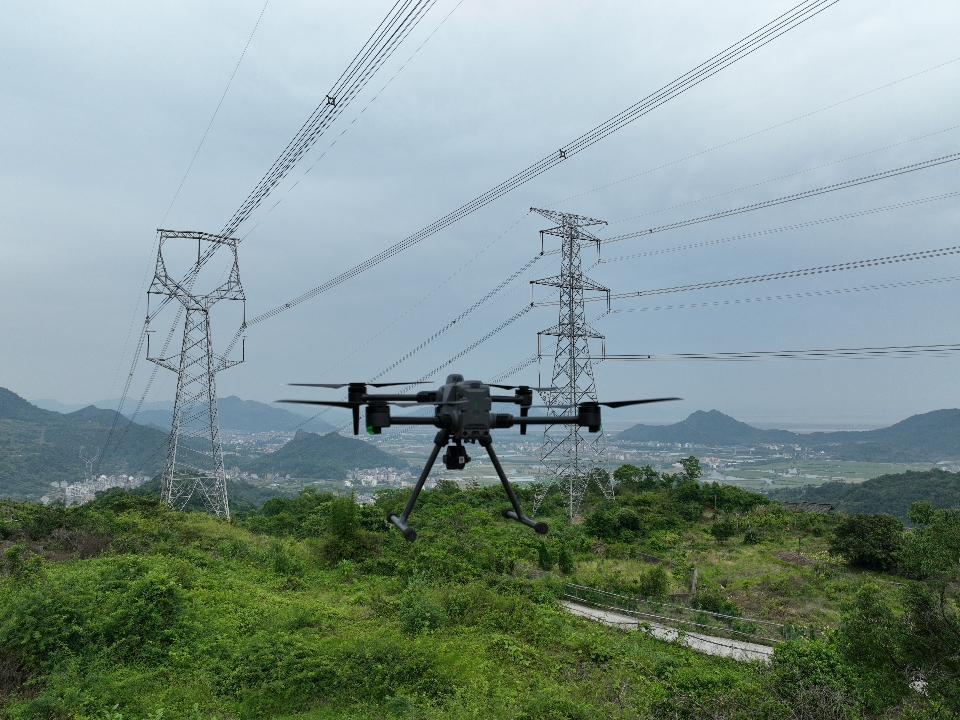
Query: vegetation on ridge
[{"x": 312, "y": 608}]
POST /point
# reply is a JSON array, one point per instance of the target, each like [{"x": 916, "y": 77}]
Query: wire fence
[{"x": 685, "y": 618}]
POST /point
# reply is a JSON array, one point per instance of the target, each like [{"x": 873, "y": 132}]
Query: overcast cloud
[{"x": 103, "y": 104}]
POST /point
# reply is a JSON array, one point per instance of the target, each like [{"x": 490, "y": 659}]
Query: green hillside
[
  {"x": 891, "y": 494},
  {"x": 38, "y": 447},
  {"x": 330, "y": 456},
  {"x": 313, "y": 608}
]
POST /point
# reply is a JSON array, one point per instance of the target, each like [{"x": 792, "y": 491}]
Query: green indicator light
[{"x": 370, "y": 430}]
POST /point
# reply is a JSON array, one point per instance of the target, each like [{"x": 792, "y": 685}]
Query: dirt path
[{"x": 707, "y": 644}]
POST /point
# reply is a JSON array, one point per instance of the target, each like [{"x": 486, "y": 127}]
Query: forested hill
[
  {"x": 890, "y": 494},
  {"x": 330, "y": 456},
  {"x": 931, "y": 436},
  {"x": 38, "y": 446},
  {"x": 707, "y": 428}
]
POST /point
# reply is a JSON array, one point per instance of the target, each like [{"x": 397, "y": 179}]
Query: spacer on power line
[
  {"x": 563, "y": 154},
  {"x": 332, "y": 101}
]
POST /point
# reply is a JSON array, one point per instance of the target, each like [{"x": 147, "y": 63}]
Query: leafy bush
[
  {"x": 712, "y": 600},
  {"x": 752, "y": 535},
  {"x": 723, "y": 529},
  {"x": 544, "y": 558},
  {"x": 654, "y": 583},
  {"x": 869, "y": 541},
  {"x": 419, "y": 611},
  {"x": 814, "y": 675}
]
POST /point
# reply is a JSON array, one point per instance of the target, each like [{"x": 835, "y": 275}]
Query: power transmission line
[
  {"x": 861, "y": 353},
  {"x": 802, "y": 295},
  {"x": 803, "y": 195},
  {"x": 356, "y": 118},
  {"x": 398, "y": 23},
  {"x": 756, "y": 133},
  {"x": 749, "y": 44},
  {"x": 785, "y": 228},
  {"x": 393, "y": 29},
  {"x": 784, "y": 275},
  {"x": 792, "y": 174},
  {"x": 143, "y": 282}
]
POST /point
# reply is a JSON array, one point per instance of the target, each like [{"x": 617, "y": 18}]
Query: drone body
[{"x": 463, "y": 414}]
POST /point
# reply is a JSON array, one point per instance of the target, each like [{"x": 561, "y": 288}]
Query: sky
[{"x": 104, "y": 103}]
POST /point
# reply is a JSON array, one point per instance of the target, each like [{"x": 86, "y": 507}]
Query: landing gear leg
[
  {"x": 439, "y": 442},
  {"x": 517, "y": 512}
]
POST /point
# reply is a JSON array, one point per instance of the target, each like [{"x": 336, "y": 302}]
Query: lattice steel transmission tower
[
  {"x": 570, "y": 458},
  {"x": 194, "y": 464}
]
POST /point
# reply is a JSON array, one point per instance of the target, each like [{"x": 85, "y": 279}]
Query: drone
[{"x": 463, "y": 414}]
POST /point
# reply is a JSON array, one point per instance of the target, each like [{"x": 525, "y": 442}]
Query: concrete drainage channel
[
  {"x": 742, "y": 639},
  {"x": 707, "y": 644}
]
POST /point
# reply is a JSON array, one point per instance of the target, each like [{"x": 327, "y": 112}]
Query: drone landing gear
[
  {"x": 517, "y": 512},
  {"x": 440, "y": 442}
]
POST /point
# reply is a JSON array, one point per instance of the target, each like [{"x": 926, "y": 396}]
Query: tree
[
  {"x": 869, "y": 541},
  {"x": 691, "y": 468},
  {"x": 636, "y": 479},
  {"x": 931, "y": 553}
]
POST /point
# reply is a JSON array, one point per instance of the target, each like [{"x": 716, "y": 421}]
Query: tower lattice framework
[
  {"x": 194, "y": 464},
  {"x": 569, "y": 457}
]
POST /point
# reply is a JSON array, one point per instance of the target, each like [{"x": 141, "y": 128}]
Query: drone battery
[{"x": 476, "y": 411}]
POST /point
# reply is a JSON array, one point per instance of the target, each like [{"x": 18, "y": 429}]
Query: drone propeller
[
  {"x": 337, "y": 386},
  {"x": 522, "y": 387},
  {"x": 625, "y": 403},
  {"x": 614, "y": 404},
  {"x": 328, "y": 403}
]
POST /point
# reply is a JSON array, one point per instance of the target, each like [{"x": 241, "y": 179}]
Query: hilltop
[
  {"x": 38, "y": 446},
  {"x": 330, "y": 456},
  {"x": 710, "y": 428},
  {"x": 313, "y": 607},
  {"x": 928, "y": 437}
]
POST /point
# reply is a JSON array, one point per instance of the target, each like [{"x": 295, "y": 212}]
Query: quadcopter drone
[{"x": 463, "y": 415}]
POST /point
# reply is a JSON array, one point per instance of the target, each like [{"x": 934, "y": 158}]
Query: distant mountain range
[
  {"x": 932, "y": 437},
  {"x": 235, "y": 414},
  {"x": 891, "y": 494},
  {"x": 309, "y": 455},
  {"x": 38, "y": 447},
  {"x": 243, "y": 416}
]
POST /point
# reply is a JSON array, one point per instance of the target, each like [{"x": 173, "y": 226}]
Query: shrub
[
  {"x": 712, "y": 600},
  {"x": 286, "y": 559},
  {"x": 752, "y": 536},
  {"x": 145, "y": 617},
  {"x": 544, "y": 558},
  {"x": 655, "y": 582},
  {"x": 869, "y": 541},
  {"x": 723, "y": 529},
  {"x": 813, "y": 675},
  {"x": 419, "y": 611},
  {"x": 565, "y": 560}
]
